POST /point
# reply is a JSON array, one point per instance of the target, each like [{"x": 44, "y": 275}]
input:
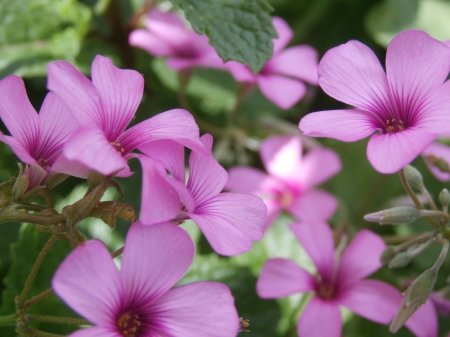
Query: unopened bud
[
  {"x": 6, "y": 195},
  {"x": 388, "y": 254},
  {"x": 55, "y": 179},
  {"x": 403, "y": 258},
  {"x": 440, "y": 163},
  {"x": 444, "y": 197},
  {"x": 109, "y": 211},
  {"x": 414, "y": 177},
  {"x": 21, "y": 184},
  {"x": 416, "y": 295},
  {"x": 394, "y": 216}
]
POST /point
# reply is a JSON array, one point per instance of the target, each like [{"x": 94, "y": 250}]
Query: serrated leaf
[
  {"x": 35, "y": 32},
  {"x": 239, "y": 30}
]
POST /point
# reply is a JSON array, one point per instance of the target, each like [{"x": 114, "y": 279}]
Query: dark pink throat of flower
[
  {"x": 129, "y": 325},
  {"x": 325, "y": 291},
  {"x": 394, "y": 125}
]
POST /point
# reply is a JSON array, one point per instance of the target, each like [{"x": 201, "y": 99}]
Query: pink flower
[
  {"x": 138, "y": 300},
  {"x": 37, "y": 140},
  {"x": 340, "y": 281},
  {"x": 435, "y": 152},
  {"x": 167, "y": 35},
  {"x": 407, "y": 106},
  {"x": 104, "y": 108},
  {"x": 281, "y": 78},
  {"x": 291, "y": 180},
  {"x": 230, "y": 221}
]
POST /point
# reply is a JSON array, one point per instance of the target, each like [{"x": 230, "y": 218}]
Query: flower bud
[
  {"x": 403, "y": 258},
  {"x": 416, "y": 295},
  {"x": 440, "y": 163},
  {"x": 394, "y": 216},
  {"x": 444, "y": 197},
  {"x": 20, "y": 186},
  {"x": 6, "y": 195},
  {"x": 55, "y": 179},
  {"x": 414, "y": 177},
  {"x": 388, "y": 254}
]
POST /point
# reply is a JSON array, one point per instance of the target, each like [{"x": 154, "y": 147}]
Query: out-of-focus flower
[
  {"x": 339, "y": 282},
  {"x": 138, "y": 300},
  {"x": 104, "y": 108},
  {"x": 281, "y": 78},
  {"x": 437, "y": 157},
  {"x": 407, "y": 106},
  {"x": 291, "y": 180},
  {"x": 230, "y": 221},
  {"x": 37, "y": 139},
  {"x": 167, "y": 35}
]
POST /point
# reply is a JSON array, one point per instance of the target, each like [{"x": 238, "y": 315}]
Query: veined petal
[
  {"x": 19, "y": 149},
  {"x": 299, "y": 61},
  {"x": 372, "y": 299},
  {"x": 283, "y": 91},
  {"x": 88, "y": 281},
  {"x": 169, "y": 153},
  {"x": 284, "y": 32},
  {"x": 273, "y": 210},
  {"x": 196, "y": 309},
  {"x": 416, "y": 64},
  {"x": 389, "y": 153},
  {"x": 76, "y": 92},
  {"x": 282, "y": 157},
  {"x": 282, "y": 277},
  {"x": 440, "y": 151},
  {"x": 120, "y": 92},
  {"x": 314, "y": 205},
  {"x": 317, "y": 239},
  {"x": 150, "y": 43},
  {"x": 361, "y": 258},
  {"x": 18, "y": 114},
  {"x": 343, "y": 125},
  {"x": 176, "y": 124},
  {"x": 207, "y": 177},
  {"x": 159, "y": 201},
  {"x": 424, "y": 322},
  {"x": 90, "y": 147},
  {"x": 351, "y": 73},
  {"x": 70, "y": 167},
  {"x": 230, "y": 221},
  {"x": 246, "y": 179},
  {"x": 155, "y": 258},
  {"x": 318, "y": 165},
  {"x": 320, "y": 319},
  {"x": 96, "y": 331}
]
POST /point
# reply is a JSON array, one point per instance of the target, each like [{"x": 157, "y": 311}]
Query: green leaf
[
  {"x": 239, "y": 30},
  {"x": 35, "y": 32}
]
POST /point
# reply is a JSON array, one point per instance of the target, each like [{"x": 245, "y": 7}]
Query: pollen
[
  {"x": 393, "y": 126},
  {"x": 118, "y": 146},
  {"x": 43, "y": 163},
  {"x": 325, "y": 291},
  {"x": 129, "y": 325}
]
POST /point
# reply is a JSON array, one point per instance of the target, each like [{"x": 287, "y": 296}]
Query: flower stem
[
  {"x": 55, "y": 319},
  {"x": 8, "y": 320},
  {"x": 34, "y": 270},
  {"x": 39, "y": 333},
  {"x": 442, "y": 255},
  {"x": 28, "y": 304},
  {"x": 413, "y": 196}
]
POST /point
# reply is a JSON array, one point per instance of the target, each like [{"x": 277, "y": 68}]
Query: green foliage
[
  {"x": 239, "y": 30},
  {"x": 36, "y": 32}
]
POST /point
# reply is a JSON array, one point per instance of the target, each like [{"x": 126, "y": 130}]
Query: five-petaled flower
[
  {"x": 138, "y": 301},
  {"x": 407, "y": 106}
]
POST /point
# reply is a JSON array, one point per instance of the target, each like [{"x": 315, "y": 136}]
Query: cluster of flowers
[{"x": 81, "y": 128}]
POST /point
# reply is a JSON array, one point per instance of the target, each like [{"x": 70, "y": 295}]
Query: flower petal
[
  {"x": 176, "y": 124},
  {"x": 196, "y": 309},
  {"x": 424, "y": 322},
  {"x": 416, "y": 64},
  {"x": 361, "y": 258},
  {"x": 273, "y": 210},
  {"x": 71, "y": 167},
  {"x": 120, "y": 92},
  {"x": 155, "y": 258},
  {"x": 283, "y": 91},
  {"x": 438, "y": 151},
  {"x": 19, "y": 149},
  {"x": 159, "y": 201},
  {"x": 282, "y": 277},
  {"x": 314, "y": 205},
  {"x": 207, "y": 177},
  {"x": 389, "y": 153},
  {"x": 284, "y": 32},
  {"x": 149, "y": 42},
  {"x": 88, "y": 281},
  {"x": 230, "y": 221},
  {"x": 320, "y": 319},
  {"x": 318, "y": 165},
  {"x": 240, "y": 72},
  {"x": 90, "y": 147},
  {"x": 372, "y": 299},
  {"x": 18, "y": 114},
  {"x": 317, "y": 239},
  {"x": 343, "y": 125},
  {"x": 96, "y": 332},
  {"x": 432, "y": 116},
  {"x": 76, "y": 92},
  {"x": 299, "y": 61},
  {"x": 351, "y": 73},
  {"x": 246, "y": 179}
]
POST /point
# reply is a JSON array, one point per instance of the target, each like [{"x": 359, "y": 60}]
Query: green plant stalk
[
  {"x": 37, "y": 264},
  {"x": 414, "y": 198},
  {"x": 39, "y": 333},
  {"x": 38, "y": 298},
  {"x": 8, "y": 320},
  {"x": 55, "y": 319}
]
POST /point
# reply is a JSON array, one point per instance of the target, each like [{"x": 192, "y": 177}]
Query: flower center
[
  {"x": 325, "y": 291},
  {"x": 43, "y": 163},
  {"x": 286, "y": 199},
  {"x": 118, "y": 147},
  {"x": 129, "y": 325},
  {"x": 393, "y": 125}
]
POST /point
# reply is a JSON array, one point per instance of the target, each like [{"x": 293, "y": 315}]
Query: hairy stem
[
  {"x": 32, "y": 301},
  {"x": 56, "y": 319}
]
